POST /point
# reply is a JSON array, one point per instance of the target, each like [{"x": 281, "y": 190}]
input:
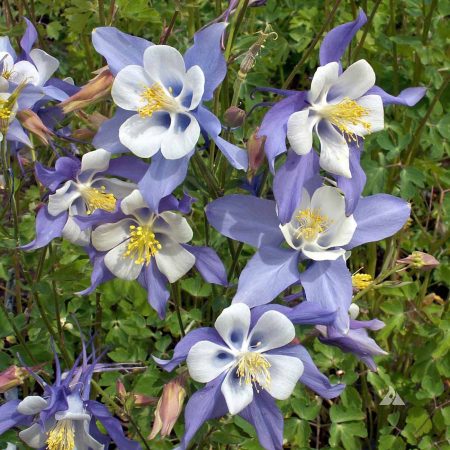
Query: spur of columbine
[
  {"x": 247, "y": 360},
  {"x": 317, "y": 235},
  {"x": 151, "y": 246},
  {"x": 79, "y": 188},
  {"x": 64, "y": 418}
]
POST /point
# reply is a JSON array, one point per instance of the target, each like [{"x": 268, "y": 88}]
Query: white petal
[
  {"x": 273, "y": 330},
  {"x": 165, "y": 65},
  {"x": 233, "y": 324},
  {"x": 128, "y": 87},
  {"x": 316, "y": 254},
  {"x": 46, "y": 64},
  {"x": 330, "y": 202},
  {"x": 31, "y": 405},
  {"x": 237, "y": 395},
  {"x": 109, "y": 235},
  {"x": 339, "y": 234},
  {"x": 285, "y": 372},
  {"x": 24, "y": 71},
  {"x": 83, "y": 440},
  {"x": 173, "y": 260},
  {"x": 33, "y": 436},
  {"x": 353, "y": 83},
  {"x": 193, "y": 87},
  {"x": 299, "y": 131},
  {"x": 143, "y": 135},
  {"x": 120, "y": 189},
  {"x": 207, "y": 361},
  {"x": 133, "y": 202},
  {"x": 181, "y": 137},
  {"x": 289, "y": 233},
  {"x": 174, "y": 225},
  {"x": 122, "y": 266},
  {"x": 334, "y": 152},
  {"x": 72, "y": 233},
  {"x": 95, "y": 161},
  {"x": 322, "y": 80},
  {"x": 5, "y": 57},
  {"x": 375, "y": 117},
  {"x": 63, "y": 198}
]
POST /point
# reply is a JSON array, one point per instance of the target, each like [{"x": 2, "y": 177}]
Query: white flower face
[
  {"x": 244, "y": 361},
  {"x": 133, "y": 242},
  {"x": 339, "y": 113},
  {"x": 87, "y": 194},
  {"x": 162, "y": 93},
  {"x": 319, "y": 225}
]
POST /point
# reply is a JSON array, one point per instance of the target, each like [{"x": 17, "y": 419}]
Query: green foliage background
[{"x": 406, "y": 43}]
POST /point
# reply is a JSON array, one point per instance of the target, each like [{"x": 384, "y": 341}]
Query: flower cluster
[{"x": 121, "y": 208}]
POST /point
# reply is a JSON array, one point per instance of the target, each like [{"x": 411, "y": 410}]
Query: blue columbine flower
[
  {"x": 318, "y": 231},
  {"x": 247, "y": 361},
  {"x": 64, "y": 418}
]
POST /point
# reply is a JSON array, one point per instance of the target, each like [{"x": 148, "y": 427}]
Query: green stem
[
  {"x": 239, "y": 15},
  {"x": 366, "y": 29},
  {"x": 207, "y": 174},
  {"x": 176, "y": 292},
  {"x": 101, "y": 12}
]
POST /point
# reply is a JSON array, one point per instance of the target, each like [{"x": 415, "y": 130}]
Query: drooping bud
[
  {"x": 11, "y": 377},
  {"x": 353, "y": 311},
  {"x": 169, "y": 407},
  {"x": 32, "y": 122},
  {"x": 255, "y": 149},
  {"x": 360, "y": 281},
  {"x": 420, "y": 260},
  {"x": 234, "y": 117},
  {"x": 95, "y": 90}
]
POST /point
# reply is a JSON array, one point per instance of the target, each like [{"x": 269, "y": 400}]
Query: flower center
[
  {"x": 5, "y": 110},
  {"x": 156, "y": 99},
  {"x": 98, "y": 199},
  {"x": 361, "y": 281},
  {"x": 143, "y": 245},
  {"x": 253, "y": 368},
  {"x": 346, "y": 113},
  {"x": 311, "y": 224},
  {"x": 61, "y": 436}
]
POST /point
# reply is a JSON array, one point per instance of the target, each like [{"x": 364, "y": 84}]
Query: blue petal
[
  {"x": 100, "y": 273},
  {"x": 118, "y": 48},
  {"x": 266, "y": 275},
  {"x": 17, "y": 134},
  {"x": 29, "y": 37},
  {"x": 245, "y": 218},
  {"x": 378, "y": 217},
  {"x": 128, "y": 166},
  {"x": 156, "y": 284},
  {"x": 66, "y": 168},
  {"x": 207, "y": 54},
  {"x": 407, "y": 97},
  {"x": 9, "y": 417}
]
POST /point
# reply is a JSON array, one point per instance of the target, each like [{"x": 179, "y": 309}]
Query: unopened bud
[
  {"x": 234, "y": 117},
  {"x": 32, "y": 122},
  {"x": 120, "y": 389},
  {"x": 95, "y": 90},
  {"x": 360, "y": 281},
  {"x": 255, "y": 149},
  {"x": 353, "y": 311},
  {"x": 11, "y": 377},
  {"x": 420, "y": 260},
  {"x": 169, "y": 407}
]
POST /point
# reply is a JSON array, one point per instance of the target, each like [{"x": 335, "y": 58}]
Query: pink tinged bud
[
  {"x": 420, "y": 260},
  {"x": 11, "y": 377},
  {"x": 169, "y": 407},
  {"x": 234, "y": 117},
  {"x": 255, "y": 149},
  {"x": 95, "y": 90},
  {"x": 32, "y": 122},
  {"x": 120, "y": 389}
]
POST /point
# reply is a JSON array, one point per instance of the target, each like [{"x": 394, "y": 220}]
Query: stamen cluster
[
  {"x": 61, "y": 436},
  {"x": 156, "y": 99},
  {"x": 253, "y": 368},
  {"x": 98, "y": 199},
  {"x": 143, "y": 245},
  {"x": 311, "y": 224}
]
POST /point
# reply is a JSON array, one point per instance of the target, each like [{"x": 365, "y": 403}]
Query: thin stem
[
  {"x": 366, "y": 29},
  {"x": 176, "y": 292},
  {"x": 169, "y": 29},
  {"x": 101, "y": 12},
  {"x": 240, "y": 13},
  {"x": 308, "y": 52},
  {"x": 208, "y": 175}
]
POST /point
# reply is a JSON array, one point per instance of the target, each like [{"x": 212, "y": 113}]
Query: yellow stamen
[
  {"x": 61, "y": 436},
  {"x": 346, "y": 113},
  {"x": 98, "y": 199},
  {"x": 143, "y": 245},
  {"x": 361, "y": 281},
  {"x": 311, "y": 223},
  {"x": 5, "y": 110},
  {"x": 156, "y": 99},
  {"x": 253, "y": 368}
]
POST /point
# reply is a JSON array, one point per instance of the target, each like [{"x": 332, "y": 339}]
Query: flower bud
[
  {"x": 169, "y": 407},
  {"x": 32, "y": 122},
  {"x": 234, "y": 117},
  {"x": 95, "y": 90},
  {"x": 420, "y": 260},
  {"x": 360, "y": 281},
  {"x": 255, "y": 149},
  {"x": 11, "y": 377}
]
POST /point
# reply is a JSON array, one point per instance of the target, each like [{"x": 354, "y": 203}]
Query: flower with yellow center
[
  {"x": 253, "y": 368},
  {"x": 311, "y": 224},
  {"x": 142, "y": 245},
  {"x": 156, "y": 98},
  {"x": 339, "y": 110},
  {"x": 98, "y": 198}
]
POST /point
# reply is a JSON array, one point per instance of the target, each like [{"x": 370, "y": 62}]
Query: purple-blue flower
[
  {"x": 247, "y": 361},
  {"x": 317, "y": 237},
  {"x": 64, "y": 417}
]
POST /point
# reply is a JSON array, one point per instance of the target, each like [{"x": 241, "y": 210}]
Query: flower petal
[
  {"x": 31, "y": 405},
  {"x": 285, "y": 372},
  {"x": 174, "y": 225},
  {"x": 316, "y": 253},
  {"x": 272, "y": 330},
  {"x": 233, "y": 324},
  {"x": 299, "y": 131},
  {"x": 122, "y": 266},
  {"x": 143, "y": 135},
  {"x": 353, "y": 83},
  {"x": 373, "y": 104},
  {"x": 46, "y": 65},
  {"x": 181, "y": 137},
  {"x": 94, "y": 162},
  {"x": 24, "y": 72},
  {"x": 34, "y": 436},
  {"x": 323, "y": 79},
  {"x": 63, "y": 198},
  {"x": 131, "y": 203},
  {"x": 109, "y": 235},
  {"x": 128, "y": 86},
  {"x": 207, "y": 361},
  {"x": 193, "y": 87},
  {"x": 237, "y": 395}
]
